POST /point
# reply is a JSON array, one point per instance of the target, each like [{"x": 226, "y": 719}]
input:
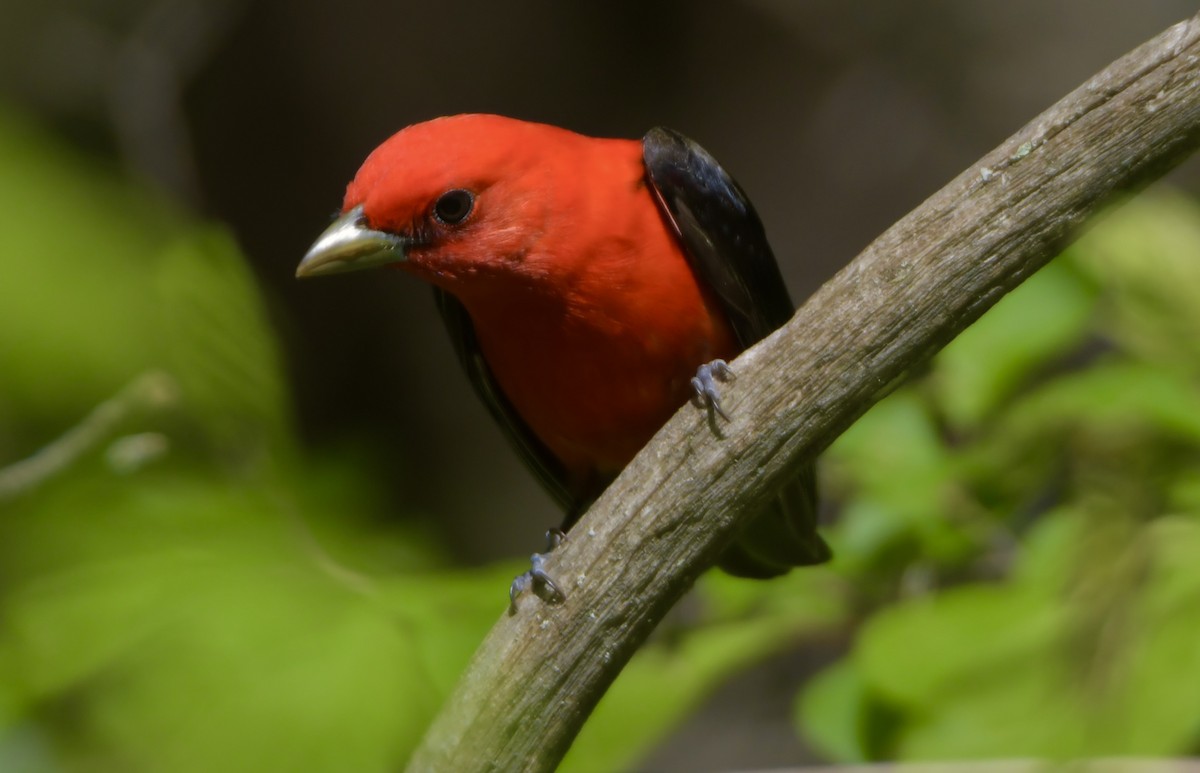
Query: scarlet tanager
[{"x": 590, "y": 287}]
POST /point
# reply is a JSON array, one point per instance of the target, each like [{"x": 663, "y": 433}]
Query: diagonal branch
[{"x": 539, "y": 673}]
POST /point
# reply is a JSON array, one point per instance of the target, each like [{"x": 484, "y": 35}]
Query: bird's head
[{"x": 452, "y": 200}]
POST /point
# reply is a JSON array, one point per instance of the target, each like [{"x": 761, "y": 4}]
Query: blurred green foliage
[
  {"x": 182, "y": 588},
  {"x": 1026, "y": 516}
]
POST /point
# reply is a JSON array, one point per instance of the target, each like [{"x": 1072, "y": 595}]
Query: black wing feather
[
  {"x": 722, "y": 234},
  {"x": 727, "y": 247}
]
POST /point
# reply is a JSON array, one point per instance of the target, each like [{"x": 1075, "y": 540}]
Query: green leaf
[
  {"x": 104, "y": 282},
  {"x": 978, "y": 633},
  {"x": 1075, "y": 661},
  {"x": 1146, "y": 255},
  {"x": 215, "y": 341},
  {"x": 1113, "y": 396},
  {"x": 897, "y": 472},
  {"x": 76, "y": 253},
  {"x": 1040, "y": 321},
  {"x": 831, "y": 714}
]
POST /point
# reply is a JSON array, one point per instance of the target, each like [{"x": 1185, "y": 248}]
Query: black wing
[
  {"x": 722, "y": 235},
  {"x": 727, "y": 247},
  {"x": 545, "y": 467}
]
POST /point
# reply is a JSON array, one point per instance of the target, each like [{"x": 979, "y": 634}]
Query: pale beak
[{"x": 349, "y": 245}]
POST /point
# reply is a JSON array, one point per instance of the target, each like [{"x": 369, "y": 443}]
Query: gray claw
[
  {"x": 707, "y": 395},
  {"x": 536, "y": 579}
]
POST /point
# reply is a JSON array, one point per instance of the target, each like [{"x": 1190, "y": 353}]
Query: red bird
[{"x": 590, "y": 286}]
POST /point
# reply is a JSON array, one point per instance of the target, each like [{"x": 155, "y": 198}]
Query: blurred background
[{"x": 222, "y": 440}]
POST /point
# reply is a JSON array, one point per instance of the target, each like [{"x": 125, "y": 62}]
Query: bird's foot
[
  {"x": 537, "y": 579},
  {"x": 704, "y": 384}
]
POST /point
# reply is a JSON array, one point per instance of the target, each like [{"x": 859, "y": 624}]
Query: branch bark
[{"x": 539, "y": 673}]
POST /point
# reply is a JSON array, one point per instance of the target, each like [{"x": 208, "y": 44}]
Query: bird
[{"x": 590, "y": 287}]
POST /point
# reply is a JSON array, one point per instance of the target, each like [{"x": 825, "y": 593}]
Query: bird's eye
[{"x": 452, "y": 207}]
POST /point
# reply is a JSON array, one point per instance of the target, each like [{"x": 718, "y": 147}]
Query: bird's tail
[{"x": 782, "y": 536}]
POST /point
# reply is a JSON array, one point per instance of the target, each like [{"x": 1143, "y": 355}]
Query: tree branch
[
  {"x": 152, "y": 389},
  {"x": 539, "y": 673}
]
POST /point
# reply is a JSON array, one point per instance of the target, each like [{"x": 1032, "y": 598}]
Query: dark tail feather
[{"x": 782, "y": 536}]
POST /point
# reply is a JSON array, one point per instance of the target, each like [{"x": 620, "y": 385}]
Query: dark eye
[{"x": 452, "y": 207}]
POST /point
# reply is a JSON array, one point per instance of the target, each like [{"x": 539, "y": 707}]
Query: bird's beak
[{"x": 348, "y": 245}]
